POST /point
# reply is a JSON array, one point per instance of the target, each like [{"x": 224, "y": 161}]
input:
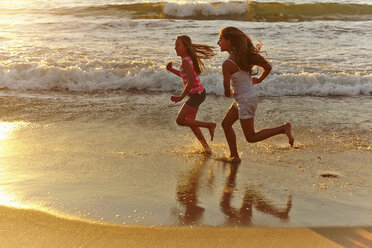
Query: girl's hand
[
  {"x": 169, "y": 66},
  {"x": 255, "y": 81},
  {"x": 176, "y": 99}
]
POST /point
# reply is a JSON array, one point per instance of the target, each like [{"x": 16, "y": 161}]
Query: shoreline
[
  {"x": 83, "y": 158},
  {"x": 34, "y": 228}
]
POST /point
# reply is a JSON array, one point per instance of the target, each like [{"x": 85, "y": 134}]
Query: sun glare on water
[
  {"x": 7, "y": 130},
  {"x": 17, "y": 4},
  {"x": 7, "y": 200}
]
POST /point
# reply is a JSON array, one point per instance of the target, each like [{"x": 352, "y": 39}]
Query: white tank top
[{"x": 241, "y": 82}]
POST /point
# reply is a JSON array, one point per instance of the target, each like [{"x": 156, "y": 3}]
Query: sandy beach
[
  {"x": 79, "y": 156},
  {"x": 91, "y": 154},
  {"x": 31, "y": 228}
]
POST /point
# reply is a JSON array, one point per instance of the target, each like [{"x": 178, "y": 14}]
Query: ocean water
[
  {"x": 87, "y": 127},
  {"x": 319, "y": 49}
]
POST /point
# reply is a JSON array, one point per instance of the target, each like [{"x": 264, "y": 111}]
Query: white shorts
[{"x": 246, "y": 107}]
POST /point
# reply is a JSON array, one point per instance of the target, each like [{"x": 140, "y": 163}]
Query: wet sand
[
  {"x": 82, "y": 156},
  {"x": 31, "y": 228},
  {"x": 95, "y": 182}
]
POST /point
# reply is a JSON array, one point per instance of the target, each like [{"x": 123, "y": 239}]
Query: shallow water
[
  {"x": 94, "y": 46},
  {"x": 121, "y": 158}
]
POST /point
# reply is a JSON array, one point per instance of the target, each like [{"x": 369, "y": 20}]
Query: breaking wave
[
  {"x": 35, "y": 78},
  {"x": 242, "y": 11}
]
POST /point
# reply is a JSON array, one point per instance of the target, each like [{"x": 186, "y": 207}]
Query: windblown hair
[
  {"x": 197, "y": 52},
  {"x": 246, "y": 53}
]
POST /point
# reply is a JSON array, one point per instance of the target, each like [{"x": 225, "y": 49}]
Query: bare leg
[
  {"x": 196, "y": 130},
  {"x": 183, "y": 120},
  {"x": 288, "y": 132},
  {"x": 230, "y": 118},
  {"x": 211, "y": 130},
  {"x": 252, "y": 137},
  {"x": 186, "y": 117}
]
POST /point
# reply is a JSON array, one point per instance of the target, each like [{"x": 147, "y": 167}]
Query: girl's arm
[
  {"x": 190, "y": 82},
  {"x": 226, "y": 71},
  {"x": 266, "y": 66},
  {"x": 171, "y": 69}
]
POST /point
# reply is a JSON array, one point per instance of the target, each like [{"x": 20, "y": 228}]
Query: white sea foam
[
  {"x": 33, "y": 77},
  {"x": 205, "y": 9},
  {"x": 316, "y": 84}
]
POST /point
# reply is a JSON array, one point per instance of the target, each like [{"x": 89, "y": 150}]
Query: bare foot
[
  {"x": 288, "y": 132},
  {"x": 232, "y": 159},
  {"x": 207, "y": 151},
  {"x": 211, "y": 130}
]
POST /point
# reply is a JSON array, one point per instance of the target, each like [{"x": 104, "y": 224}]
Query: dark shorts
[{"x": 195, "y": 99}]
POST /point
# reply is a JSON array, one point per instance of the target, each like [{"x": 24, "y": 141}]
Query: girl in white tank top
[
  {"x": 241, "y": 82},
  {"x": 237, "y": 71}
]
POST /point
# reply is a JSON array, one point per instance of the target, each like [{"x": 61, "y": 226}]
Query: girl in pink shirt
[{"x": 190, "y": 69}]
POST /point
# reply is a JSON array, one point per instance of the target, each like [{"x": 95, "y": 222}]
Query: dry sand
[{"x": 32, "y": 228}]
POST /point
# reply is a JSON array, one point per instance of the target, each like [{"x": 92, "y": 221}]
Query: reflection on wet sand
[
  {"x": 187, "y": 196},
  {"x": 252, "y": 198},
  {"x": 187, "y": 193}
]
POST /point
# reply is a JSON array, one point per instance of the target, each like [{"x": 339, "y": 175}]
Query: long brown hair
[
  {"x": 246, "y": 53},
  {"x": 197, "y": 52}
]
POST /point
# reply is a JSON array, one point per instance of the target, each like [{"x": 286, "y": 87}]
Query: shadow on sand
[{"x": 358, "y": 237}]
